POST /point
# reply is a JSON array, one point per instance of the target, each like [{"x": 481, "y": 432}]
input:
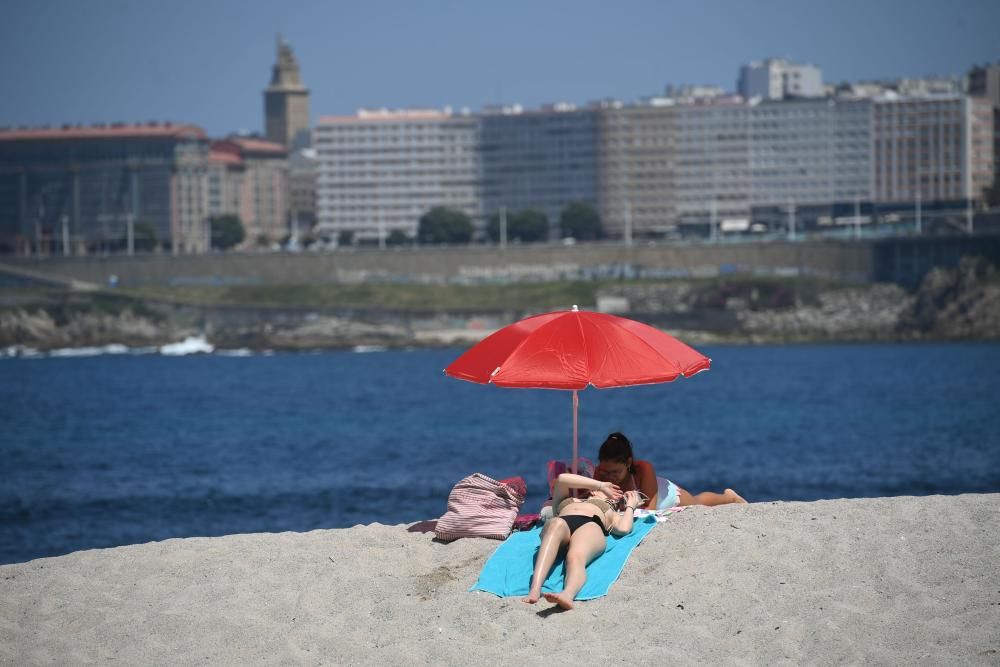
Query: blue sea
[{"x": 120, "y": 449}]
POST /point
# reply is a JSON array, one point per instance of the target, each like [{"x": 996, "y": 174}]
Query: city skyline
[{"x": 209, "y": 65}]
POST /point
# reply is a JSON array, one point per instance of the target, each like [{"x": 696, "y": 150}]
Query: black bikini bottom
[{"x": 574, "y": 521}]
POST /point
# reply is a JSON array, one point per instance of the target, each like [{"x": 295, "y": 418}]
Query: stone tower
[{"x": 286, "y": 102}]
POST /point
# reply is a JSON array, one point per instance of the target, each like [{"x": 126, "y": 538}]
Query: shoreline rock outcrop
[{"x": 962, "y": 303}]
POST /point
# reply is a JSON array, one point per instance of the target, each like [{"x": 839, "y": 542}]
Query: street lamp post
[
  {"x": 791, "y": 220},
  {"x": 65, "y": 235},
  {"x": 130, "y": 231},
  {"x": 503, "y": 227},
  {"x": 712, "y": 222},
  {"x": 628, "y": 223},
  {"x": 857, "y": 218}
]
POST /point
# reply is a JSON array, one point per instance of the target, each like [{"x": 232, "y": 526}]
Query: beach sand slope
[{"x": 883, "y": 581}]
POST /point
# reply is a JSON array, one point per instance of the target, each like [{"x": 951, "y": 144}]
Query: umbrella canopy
[{"x": 574, "y": 349}]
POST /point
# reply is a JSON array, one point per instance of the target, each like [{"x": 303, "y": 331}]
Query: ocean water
[{"x": 118, "y": 449}]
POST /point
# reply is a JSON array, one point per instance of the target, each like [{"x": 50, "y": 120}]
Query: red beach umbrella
[{"x": 574, "y": 349}]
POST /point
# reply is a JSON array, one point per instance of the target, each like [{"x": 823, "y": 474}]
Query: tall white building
[
  {"x": 806, "y": 152},
  {"x": 775, "y": 79},
  {"x": 381, "y": 170},
  {"x": 734, "y": 156},
  {"x": 248, "y": 177},
  {"x": 731, "y": 158},
  {"x": 635, "y": 175},
  {"x": 712, "y": 179},
  {"x": 939, "y": 85},
  {"x": 935, "y": 147}
]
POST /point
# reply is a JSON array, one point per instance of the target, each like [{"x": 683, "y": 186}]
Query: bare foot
[
  {"x": 737, "y": 498},
  {"x": 531, "y": 599},
  {"x": 559, "y": 599}
]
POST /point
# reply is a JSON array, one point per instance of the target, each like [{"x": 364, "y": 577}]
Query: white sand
[{"x": 884, "y": 581}]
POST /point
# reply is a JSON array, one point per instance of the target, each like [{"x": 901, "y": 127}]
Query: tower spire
[{"x": 286, "y": 100}]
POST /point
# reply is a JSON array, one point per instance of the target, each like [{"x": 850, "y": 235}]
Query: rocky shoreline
[{"x": 952, "y": 304}]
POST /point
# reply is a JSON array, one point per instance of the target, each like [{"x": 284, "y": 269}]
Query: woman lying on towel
[
  {"x": 617, "y": 465},
  {"x": 581, "y": 526}
]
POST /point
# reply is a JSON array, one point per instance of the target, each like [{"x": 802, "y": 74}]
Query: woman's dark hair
[{"x": 616, "y": 448}]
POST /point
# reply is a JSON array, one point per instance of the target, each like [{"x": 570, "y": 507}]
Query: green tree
[
  {"x": 227, "y": 231},
  {"x": 526, "y": 226},
  {"x": 144, "y": 236},
  {"x": 345, "y": 238},
  {"x": 397, "y": 237},
  {"x": 444, "y": 225},
  {"x": 581, "y": 221},
  {"x": 991, "y": 193}
]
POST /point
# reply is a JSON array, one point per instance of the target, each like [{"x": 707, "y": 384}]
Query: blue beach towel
[{"x": 508, "y": 571}]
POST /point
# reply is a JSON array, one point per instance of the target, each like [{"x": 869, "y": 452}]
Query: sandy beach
[{"x": 876, "y": 581}]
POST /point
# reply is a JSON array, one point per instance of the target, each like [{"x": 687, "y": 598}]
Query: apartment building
[
  {"x": 248, "y": 177},
  {"x": 77, "y": 188},
  {"x": 302, "y": 189},
  {"x": 776, "y": 79},
  {"x": 695, "y": 161},
  {"x": 540, "y": 159},
  {"x": 805, "y": 152},
  {"x": 636, "y": 158},
  {"x": 712, "y": 180},
  {"x": 381, "y": 170},
  {"x": 724, "y": 163},
  {"x": 936, "y": 148},
  {"x": 984, "y": 81}
]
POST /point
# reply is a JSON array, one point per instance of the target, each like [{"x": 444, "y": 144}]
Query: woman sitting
[
  {"x": 618, "y": 465},
  {"x": 581, "y": 526}
]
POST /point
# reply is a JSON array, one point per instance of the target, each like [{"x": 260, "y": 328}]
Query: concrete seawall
[{"x": 839, "y": 260}]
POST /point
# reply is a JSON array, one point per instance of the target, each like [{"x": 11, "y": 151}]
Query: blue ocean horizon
[{"x": 110, "y": 450}]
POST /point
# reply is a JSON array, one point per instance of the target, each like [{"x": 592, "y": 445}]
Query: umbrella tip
[{"x": 575, "y": 309}]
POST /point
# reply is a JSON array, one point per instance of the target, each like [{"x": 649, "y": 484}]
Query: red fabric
[
  {"x": 526, "y": 521},
  {"x": 575, "y": 349},
  {"x": 517, "y": 484},
  {"x": 584, "y": 467}
]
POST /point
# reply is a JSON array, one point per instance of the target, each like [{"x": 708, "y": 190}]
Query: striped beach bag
[{"x": 480, "y": 506}]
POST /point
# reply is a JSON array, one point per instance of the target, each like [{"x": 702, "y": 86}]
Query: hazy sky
[{"x": 206, "y": 62}]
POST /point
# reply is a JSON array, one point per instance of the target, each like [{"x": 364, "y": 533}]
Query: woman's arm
[
  {"x": 645, "y": 477},
  {"x": 623, "y": 522},
  {"x": 567, "y": 481}
]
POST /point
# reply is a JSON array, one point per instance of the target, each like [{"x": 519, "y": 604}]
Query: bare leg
[
  {"x": 737, "y": 498},
  {"x": 708, "y": 498},
  {"x": 554, "y": 536},
  {"x": 586, "y": 544}
]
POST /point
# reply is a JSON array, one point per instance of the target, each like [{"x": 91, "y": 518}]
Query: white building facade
[
  {"x": 636, "y": 152},
  {"x": 932, "y": 147},
  {"x": 775, "y": 79},
  {"x": 712, "y": 178},
  {"x": 658, "y": 168},
  {"x": 733, "y": 156},
  {"x": 379, "y": 171},
  {"x": 806, "y": 152}
]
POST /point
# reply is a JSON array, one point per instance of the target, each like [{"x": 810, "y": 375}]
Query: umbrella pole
[{"x": 576, "y": 405}]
